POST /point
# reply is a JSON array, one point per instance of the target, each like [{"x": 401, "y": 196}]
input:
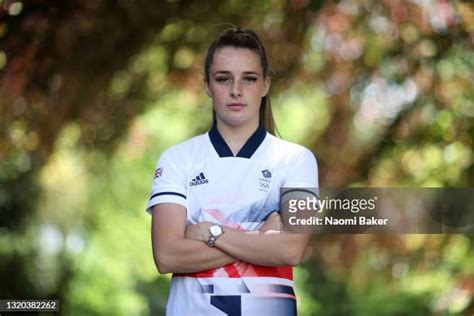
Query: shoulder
[
  {"x": 185, "y": 149},
  {"x": 288, "y": 151}
]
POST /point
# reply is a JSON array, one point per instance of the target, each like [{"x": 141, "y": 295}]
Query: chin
[
  {"x": 238, "y": 119},
  {"x": 235, "y": 123}
]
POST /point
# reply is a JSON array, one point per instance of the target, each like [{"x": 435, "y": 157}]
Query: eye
[
  {"x": 222, "y": 79},
  {"x": 250, "y": 79}
]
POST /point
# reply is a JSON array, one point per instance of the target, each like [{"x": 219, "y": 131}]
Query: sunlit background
[{"x": 91, "y": 92}]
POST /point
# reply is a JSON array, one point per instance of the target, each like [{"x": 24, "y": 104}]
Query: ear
[
  {"x": 206, "y": 87},
  {"x": 266, "y": 86}
]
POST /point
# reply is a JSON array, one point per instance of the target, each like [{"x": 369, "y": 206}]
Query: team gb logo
[
  {"x": 265, "y": 182},
  {"x": 266, "y": 173}
]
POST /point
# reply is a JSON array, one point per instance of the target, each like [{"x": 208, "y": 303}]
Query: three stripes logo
[{"x": 199, "y": 179}]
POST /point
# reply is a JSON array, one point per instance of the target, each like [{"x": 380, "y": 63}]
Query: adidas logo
[{"x": 200, "y": 179}]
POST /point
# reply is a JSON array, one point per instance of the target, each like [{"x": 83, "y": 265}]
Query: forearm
[
  {"x": 188, "y": 256},
  {"x": 270, "y": 248}
]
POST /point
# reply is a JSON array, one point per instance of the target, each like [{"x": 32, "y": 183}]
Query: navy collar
[{"x": 246, "y": 151}]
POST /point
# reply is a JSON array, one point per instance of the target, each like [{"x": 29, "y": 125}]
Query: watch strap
[{"x": 211, "y": 242}]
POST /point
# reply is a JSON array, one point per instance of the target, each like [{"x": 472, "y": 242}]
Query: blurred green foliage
[{"x": 91, "y": 93}]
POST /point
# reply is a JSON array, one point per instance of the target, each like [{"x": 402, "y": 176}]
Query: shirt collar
[{"x": 246, "y": 151}]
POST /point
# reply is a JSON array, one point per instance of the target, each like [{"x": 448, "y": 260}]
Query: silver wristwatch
[{"x": 214, "y": 232}]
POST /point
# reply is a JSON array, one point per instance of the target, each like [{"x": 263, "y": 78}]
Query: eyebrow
[{"x": 226, "y": 72}]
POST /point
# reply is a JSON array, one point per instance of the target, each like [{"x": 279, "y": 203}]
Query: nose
[{"x": 236, "y": 89}]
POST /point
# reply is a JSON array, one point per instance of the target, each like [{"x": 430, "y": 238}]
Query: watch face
[{"x": 215, "y": 230}]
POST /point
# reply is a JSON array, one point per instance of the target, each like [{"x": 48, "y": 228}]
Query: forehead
[{"x": 236, "y": 59}]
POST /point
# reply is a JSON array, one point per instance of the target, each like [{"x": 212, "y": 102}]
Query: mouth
[{"x": 236, "y": 106}]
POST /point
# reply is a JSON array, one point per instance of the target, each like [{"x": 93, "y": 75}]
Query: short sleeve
[
  {"x": 302, "y": 171},
  {"x": 169, "y": 183}
]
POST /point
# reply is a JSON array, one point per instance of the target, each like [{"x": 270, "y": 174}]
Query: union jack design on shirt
[{"x": 158, "y": 172}]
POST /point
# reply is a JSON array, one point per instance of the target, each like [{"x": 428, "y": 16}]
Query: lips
[{"x": 235, "y": 105}]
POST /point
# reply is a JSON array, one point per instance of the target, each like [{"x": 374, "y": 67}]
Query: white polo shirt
[{"x": 239, "y": 191}]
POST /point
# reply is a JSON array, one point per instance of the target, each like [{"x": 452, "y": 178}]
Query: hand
[
  {"x": 273, "y": 222},
  {"x": 199, "y": 231}
]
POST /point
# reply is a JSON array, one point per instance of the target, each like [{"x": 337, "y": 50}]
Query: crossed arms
[{"x": 181, "y": 249}]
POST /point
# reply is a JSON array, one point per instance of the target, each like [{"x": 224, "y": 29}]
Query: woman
[{"x": 215, "y": 197}]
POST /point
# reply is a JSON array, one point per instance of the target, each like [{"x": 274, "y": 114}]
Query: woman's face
[{"x": 237, "y": 85}]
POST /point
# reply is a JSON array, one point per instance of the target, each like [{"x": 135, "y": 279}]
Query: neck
[{"x": 236, "y": 136}]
